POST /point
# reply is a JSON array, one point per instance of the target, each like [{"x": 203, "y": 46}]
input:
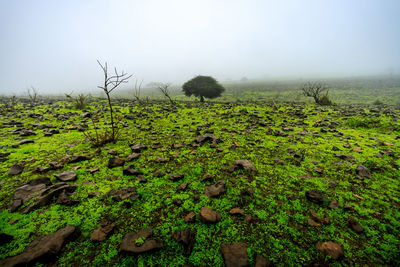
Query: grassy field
[{"x": 293, "y": 147}]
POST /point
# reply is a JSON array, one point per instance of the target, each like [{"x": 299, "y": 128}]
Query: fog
[{"x": 54, "y": 45}]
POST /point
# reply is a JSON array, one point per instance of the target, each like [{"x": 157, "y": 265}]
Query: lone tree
[
  {"x": 203, "y": 87},
  {"x": 318, "y": 91}
]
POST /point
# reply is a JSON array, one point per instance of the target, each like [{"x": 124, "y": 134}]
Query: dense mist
[{"x": 54, "y": 45}]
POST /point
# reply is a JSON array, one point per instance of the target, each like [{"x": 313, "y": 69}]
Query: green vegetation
[
  {"x": 203, "y": 87},
  {"x": 294, "y": 148}
]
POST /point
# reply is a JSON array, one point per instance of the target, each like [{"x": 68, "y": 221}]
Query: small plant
[
  {"x": 80, "y": 102},
  {"x": 139, "y": 241},
  {"x": 318, "y": 91},
  {"x": 378, "y": 102},
  {"x": 33, "y": 95},
  {"x": 164, "y": 89},
  {"x": 111, "y": 82},
  {"x": 137, "y": 89}
]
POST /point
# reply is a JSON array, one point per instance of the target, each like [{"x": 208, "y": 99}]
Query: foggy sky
[{"x": 53, "y": 45}]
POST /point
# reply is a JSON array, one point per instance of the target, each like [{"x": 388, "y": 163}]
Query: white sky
[{"x": 53, "y": 45}]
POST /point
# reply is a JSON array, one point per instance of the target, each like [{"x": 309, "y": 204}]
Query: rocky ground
[{"x": 200, "y": 185}]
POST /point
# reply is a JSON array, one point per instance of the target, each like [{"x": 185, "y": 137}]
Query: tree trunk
[{"x": 201, "y": 98}]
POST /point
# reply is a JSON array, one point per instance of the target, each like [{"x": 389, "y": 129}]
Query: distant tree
[
  {"x": 164, "y": 89},
  {"x": 136, "y": 91},
  {"x": 318, "y": 91},
  {"x": 203, "y": 87},
  {"x": 33, "y": 95}
]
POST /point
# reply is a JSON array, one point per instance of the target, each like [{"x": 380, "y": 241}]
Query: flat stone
[
  {"x": 242, "y": 164},
  {"x": 187, "y": 237},
  {"x": 101, "y": 233},
  {"x": 363, "y": 172},
  {"x": 235, "y": 255},
  {"x": 129, "y": 242},
  {"x": 132, "y": 157},
  {"x": 208, "y": 215},
  {"x": 27, "y": 192},
  {"x": 316, "y": 196},
  {"x": 236, "y": 211},
  {"x": 334, "y": 204},
  {"x": 115, "y": 162},
  {"x": 130, "y": 170},
  {"x": 355, "y": 225},
  {"x": 15, "y": 169},
  {"x": 41, "y": 248},
  {"x": 66, "y": 176},
  {"x": 137, "y": 148},
  {"x": 191, "y": 217},
  {"x": 330, "y": 248},
  {"x": 176, "y": 177},
  {"x": 261, "y": 261},
  {"x": 78, "y": 158},
  {"x": 216, "y": 189}
]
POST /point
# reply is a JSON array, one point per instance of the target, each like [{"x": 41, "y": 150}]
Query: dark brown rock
[
  {"x": 101, "y": 233},
  {"x": 122, "y": 194},
  {"x": 242, "y": 164},
  {"x": 207, "y": 177},
  {"x": 27, "y": 192},
  {"x": 355, "y": 225},
  {"x": 333, "y": 249},
  {"x": 187, "y": 237},
  {"x": 207, "y": 215},
  {"x": 132, "y": 157},
  {"x": 66, "y": 176},
  {"x": 137, "y": 148},
  {"x": 334, "y": 204},
  {"x": 42, "y": 248},
  {"x": 236, "y": 211},
  {"x": 363, "y": 172},
  {"x": 183, "y": 186},
  {"x": 158, "y": 174},
  {"x": 176, "y": 177},
  {"x": 115, "y": 162},
  {"x": 235, "y": 255},
  {"x": 131, "y": 245},
  {"x": 78, "y": 158},
  {"x": 216, "y": 189},
  {"x": 65, "y": 199},
  {"x": 191, "y": 217},
  {"x": 130, "y": 170},
  {"x": 261, "y": 261},
  {"x": 316, "y": 196},
  {"x": 15, "y": 169}
]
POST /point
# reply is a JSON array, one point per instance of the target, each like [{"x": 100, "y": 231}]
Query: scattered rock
[
  {"x": 262, "y": 261},
  {"x": 42, "y": 248},
  {"x": 158, "y": 174},
  {"x": 316, "y": 196},
  {"x": 132, "y": 156},
  {"x": 187, "y": 237},
  {"x": 183, "y": 186},
  {"x": 65, "y": 199},
  {"x": 207, "y": 215},
  {"x": 354, "y": 224},
  {"x": 313, "y": 223},
  {"x": 330, "y": 248},
  {"x": 325, "y": 220},
  {"x": 27, "y": 192},
  {"x": 15, "y": 169},
  {"x": 130, "y": 170},
  {"x": 115, "y": 162},
  {"x": 66, "y": 176},
  {"x": 78, "y": 158},
  {"x": 101, "y": 233},
  {"x": 363, "y": 172},
  {"x": 235, "y": 255},
  {"x": 242, "y": 164},
  {"x": 207, "y": 177},
  {"x": 122, "y": 194},
  {"x": 137, "y": 148},
  {"x": 334, "y": 204},
  {"x": 191, "y": 217},
  {"x": 176, "y": 177},
  {"x": 216, "y": 189},
  {"x": 130, "y": 242},
  {"x": 236, "y": 211},
  {"x": 52, "y": 192}
]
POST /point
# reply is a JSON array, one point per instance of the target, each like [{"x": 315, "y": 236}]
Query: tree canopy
[{"x": 203, "y": 87}]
